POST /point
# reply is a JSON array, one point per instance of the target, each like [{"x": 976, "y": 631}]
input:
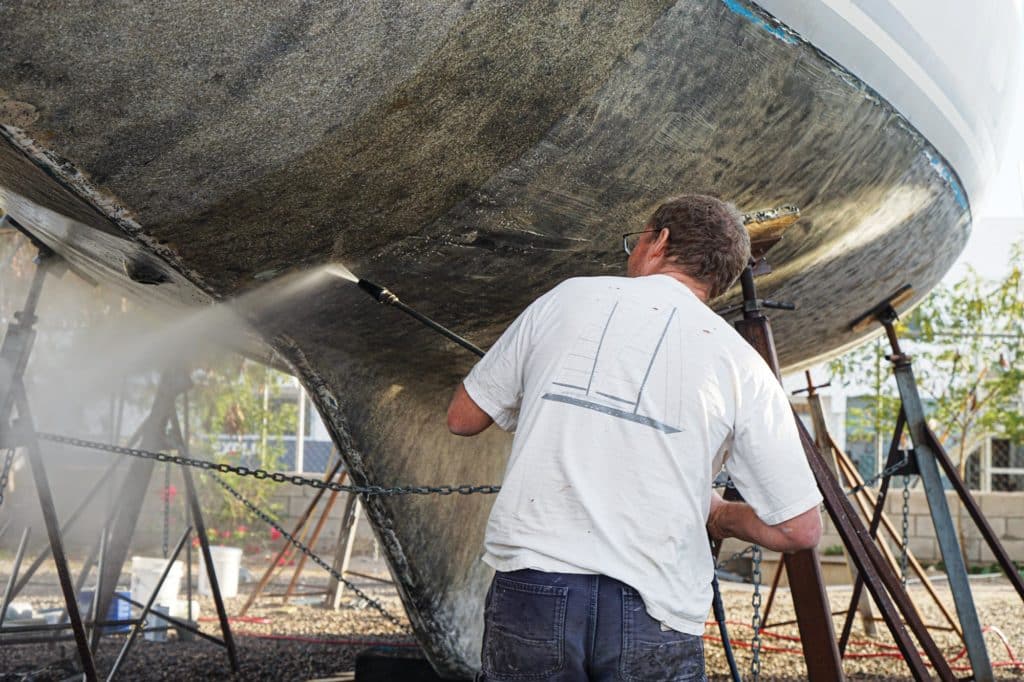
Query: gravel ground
[{"x": 300, "y": 641}]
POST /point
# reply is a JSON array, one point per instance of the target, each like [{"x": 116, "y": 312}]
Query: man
[{"x": 625, "y": 395}]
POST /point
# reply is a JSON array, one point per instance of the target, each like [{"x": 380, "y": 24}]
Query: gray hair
[{"x": 707, "y": 239}]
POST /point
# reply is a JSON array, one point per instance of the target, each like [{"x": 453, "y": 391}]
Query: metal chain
[
  {"x": 266, "y": 518},
  {"x": 8, "y": 461},
  {"x": 755, "y": 620},
  {"x": 167, "y": 509},
  {"x": 884, "y": 473},
  {"x": 276, "y": 476},
  {"x": 749, "y": 549},
  {"x": 906, "y": 527}
]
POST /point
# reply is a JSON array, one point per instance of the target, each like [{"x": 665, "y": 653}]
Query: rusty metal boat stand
[
  {"x": 925, "y": 459},
  {"x": 810, "y": 600},
  {"x": 14, "y": 354},
  {"x": 160, "y": 431}
]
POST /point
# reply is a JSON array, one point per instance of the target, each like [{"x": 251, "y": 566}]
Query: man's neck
[{"x": 698, "y": 288}]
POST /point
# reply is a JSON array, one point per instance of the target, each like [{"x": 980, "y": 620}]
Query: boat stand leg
[
  {"x": 35, "y": 458},
  {"x": 328, "y": 506},
  {"x": 858, "y": 583},
  {"x": 140, "y": 623},
  {"x": 96, "y": 615},
  {"x": 989, "y": 535},
  {"x": 211, "y": 576},
  {"x": 825, "y": 663},
  {"x": 14, "y": 574},
  {"x": 945, "y": 530},
  {"x": 151, "y": 436},
  {"x": 178, "y": 442}
]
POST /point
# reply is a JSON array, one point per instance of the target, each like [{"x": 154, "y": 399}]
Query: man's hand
[
  {"x": 738, "y": 520},
  {"x": 465, "y": 418},
  {"x": 714, "y": 517}
]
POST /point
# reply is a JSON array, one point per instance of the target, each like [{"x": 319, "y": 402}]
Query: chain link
[
  {"x": 755, "y": 619},
  {"x": 266, "y": 518},
  {"x": 748, "y": 550},
  {"x": 884, "y": 473},
  {"x": 906, "y": 528},
  {"x": 275, "y": 476},
  {"x": 8, "y": 461}
]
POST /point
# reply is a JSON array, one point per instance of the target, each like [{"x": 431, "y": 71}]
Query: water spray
[{"x": 385, "y": 296}]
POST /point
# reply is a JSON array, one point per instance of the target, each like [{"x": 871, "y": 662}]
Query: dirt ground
[{"x": 301, "y": 640}]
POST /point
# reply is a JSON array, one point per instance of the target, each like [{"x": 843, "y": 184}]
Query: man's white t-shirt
[{"x": 624, "y": 394}]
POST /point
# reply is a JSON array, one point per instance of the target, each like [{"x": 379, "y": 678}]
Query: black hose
[{"x": 719, "y": 609}]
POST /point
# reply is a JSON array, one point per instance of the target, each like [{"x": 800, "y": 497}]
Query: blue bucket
[{"x": 119, "y": 609}]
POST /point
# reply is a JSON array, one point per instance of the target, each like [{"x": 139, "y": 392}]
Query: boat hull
[{"x": 468, "y": 156}]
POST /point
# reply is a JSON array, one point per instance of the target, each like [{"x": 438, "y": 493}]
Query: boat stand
[
  {"x": 814, "y": 617},
  {"x": 14, "y": 354},
  {"x": 871, "y": 507},
  {"x": 160, "y": 430},
  {"x": 927, "y": 456},
  {"x": 300, "y": 527}
]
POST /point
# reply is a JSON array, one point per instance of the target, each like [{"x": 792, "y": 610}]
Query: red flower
[
  {"x": 274, "y": 534},
  {"x": 168, "y": 493},
  {"x": 225, "y": 534},
  {"x": 241, "y": 530}
]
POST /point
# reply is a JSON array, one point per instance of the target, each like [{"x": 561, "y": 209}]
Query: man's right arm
[
  {"x": 738, "y": 520},
  {"x": 465, "y": 418},
  {"x": 769, "y": 468}
]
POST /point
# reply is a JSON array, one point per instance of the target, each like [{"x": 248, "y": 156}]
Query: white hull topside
[{"x": 951, "y": 67}]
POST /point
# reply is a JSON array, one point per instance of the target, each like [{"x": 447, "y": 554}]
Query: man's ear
[{"x": 660, "y": 247}]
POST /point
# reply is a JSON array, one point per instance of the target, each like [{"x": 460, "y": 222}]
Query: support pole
[
  {"x": 18, "y": 556},
  {"x": 204, "y": 545},
  {"x": 807, "y": 584},
  {"x": 825, "y": 446},
  {"x": 877, "y": 575},
  {"x": 140, "y": 623},
  {"x": 14, "y": 355},
  {"x": 343, "y": 553},
  {"x": 945, "y": 531},
  {"x": 328, "y": 506},
  {"x": 299, "y": 525},
  {"x": 95, "y": 614},
  {"x": 35, "y": 458},
  {"x": 153, "y": 434}
]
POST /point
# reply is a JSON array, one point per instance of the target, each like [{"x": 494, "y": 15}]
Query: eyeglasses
[{"x": 630, "y": 240}]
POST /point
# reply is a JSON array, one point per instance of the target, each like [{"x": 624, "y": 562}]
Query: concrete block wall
[
  {"x": 1003, "y": 511},
  {"x": 293, "y": 502}
]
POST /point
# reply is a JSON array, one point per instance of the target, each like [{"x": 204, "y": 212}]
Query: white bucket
[
  {"x": 145, "y": 574},
  {"x": 226, "y": 564}
]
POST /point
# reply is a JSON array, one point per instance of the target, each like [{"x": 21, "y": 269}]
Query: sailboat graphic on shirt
[{"x": 622, "y": 367}]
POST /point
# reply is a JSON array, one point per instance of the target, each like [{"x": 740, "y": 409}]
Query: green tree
[
  {"x": 967, "y": 341},
  {"x": 239, "y": 419}
]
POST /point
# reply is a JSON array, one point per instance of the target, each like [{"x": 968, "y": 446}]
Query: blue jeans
[{"x": 563, "y": 627}]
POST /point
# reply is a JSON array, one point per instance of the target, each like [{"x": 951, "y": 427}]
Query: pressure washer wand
[{"x": 383, "y": 295}]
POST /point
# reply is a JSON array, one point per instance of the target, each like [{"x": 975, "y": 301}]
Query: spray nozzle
[{"x": 381, "y": 294}]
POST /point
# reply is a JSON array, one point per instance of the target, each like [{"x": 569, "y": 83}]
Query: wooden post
[{"x": 343, "y": 553}]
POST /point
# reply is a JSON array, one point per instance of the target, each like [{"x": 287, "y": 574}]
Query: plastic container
[
  {"x": 226, "y": 564},
  {"x": 157, "y": 627},
  {"x": 119, "y": 609},
  {"x": 145, "y": 574}
]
